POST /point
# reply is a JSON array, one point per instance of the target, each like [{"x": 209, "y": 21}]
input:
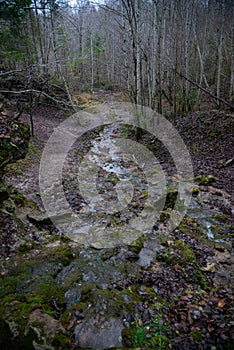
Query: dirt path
[{"x": 25, "y": 175}]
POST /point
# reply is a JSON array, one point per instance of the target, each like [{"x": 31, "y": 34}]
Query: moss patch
[
  {"x": 179, "y": 253},
  {"x": 204, "y": 180},
  {"x": 196, "y": 335}
]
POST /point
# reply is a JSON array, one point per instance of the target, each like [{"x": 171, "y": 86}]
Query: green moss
[
  {"x": 13, "y": 169},
  {"x": 112, "y": 179},
  {"x": 171, "y": 199},
  {"x": 66, "y": 316},
  {"x": 9, "y": 283},
  {"x": 213, "y": 134},
  {"x": 47, "y": 291},
  {"x": 13, "y": 148},
  {"x": 145, "y": 338},
  {"x": 34, "y": 150},
  {"x": 64, "y": 239},
  {"x": 164, "y": 215},
  {"x": 220, "y": 217},
  {"x": 204, "y": 179},
  {"x": 31, "y": 277},
  {"x": 159, "y": 341},
  {"x": 128, "y": 337},
  {"x": 34, "y": 299},
  {"x": 14, "y": 326},
  {"x": 61, "y": 341},
  {"x": 63, "y": 254},
  {"x": 16, "y": 313},
  {"x": 139, "y": 336},
  {"x": 131, "y": 292},
  {"x": 190, "y": 227},
  {"x": 25, "y": 248},
  {"x": 196, "y": 335},
  {"x": 108, "y": 253},
  {"x": 185, "y": 250},
  {"x": 20, "y": 224},
  {"x": 181, "y": 254},
  {"x": 195, "y": 191},
  {"x": 87, "y": 293},
  {"x": 137, "y": 245},
  {"x": 19, "y": 199}
]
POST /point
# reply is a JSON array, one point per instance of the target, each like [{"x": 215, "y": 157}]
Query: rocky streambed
[{"x": 157, "y": 289}]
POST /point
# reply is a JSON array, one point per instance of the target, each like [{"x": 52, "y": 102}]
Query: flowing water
[{"x": 108, "y": 190}]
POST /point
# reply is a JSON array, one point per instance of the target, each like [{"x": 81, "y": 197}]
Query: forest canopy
[{"x": 160, "y": 52}]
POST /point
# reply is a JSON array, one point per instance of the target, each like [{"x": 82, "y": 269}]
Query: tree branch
[
  {"x": 36, "y": 92},
  {"x": 206, "y": 91}
]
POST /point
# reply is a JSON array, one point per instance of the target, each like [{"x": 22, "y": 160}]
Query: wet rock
[
  {"x": 99, "y": 333},
  {"x": 149, "y": 251},
  {"x": 39, "y": 218},
  {"x": 72, "y": 296},
  {"x": 42, "y": 218},
  {"x": 97, "y": 292},
  {"x": 49, "y": 325},
  {"x": 146, "y": 257}
]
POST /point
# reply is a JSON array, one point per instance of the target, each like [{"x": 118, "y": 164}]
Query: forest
[
  {"x": 164, "y": 54},
  {"x": 116, "y": 174}
]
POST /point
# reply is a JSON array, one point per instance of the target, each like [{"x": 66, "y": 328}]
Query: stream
[
  {"x": 115, "y": 197},
  {"x": 115, "y": 233}
]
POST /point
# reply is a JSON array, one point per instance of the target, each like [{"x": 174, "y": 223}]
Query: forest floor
[{"x": 165, "y": 290}]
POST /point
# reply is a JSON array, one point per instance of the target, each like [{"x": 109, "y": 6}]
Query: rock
[
  {"x": 146, "y": 257},
  {"x": 39, "y": 218},
  {"x": 99, "y": 333},
  {"x": 72, "y": 296},
  {"x": 50, "y": 326},
  {"x": 42, "y": 218},
  {"x": 14, "y": 139}
]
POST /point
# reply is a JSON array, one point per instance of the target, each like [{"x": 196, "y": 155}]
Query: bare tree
[{"x": 231, "y": 94}]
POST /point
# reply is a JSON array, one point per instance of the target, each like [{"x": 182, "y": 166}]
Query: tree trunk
[
  {"x": 42, "y": 52},
  {"x": 58, "y": 64},
  {"x": 187, "y": 43},
  {"x": 138, "y": 55},
  {"x": 220, "y": 54},
  {"x": 232, "y": 62},
  {"x": 91, "y": 61},
  {"x": 153, "y": 64}
]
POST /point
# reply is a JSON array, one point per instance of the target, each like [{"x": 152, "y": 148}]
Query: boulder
[{"x": 14, "y": 139}]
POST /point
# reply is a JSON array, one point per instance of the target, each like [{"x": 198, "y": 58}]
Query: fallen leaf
[
  {"x": 209, "y": 267},
  {"x": 210, "y": 328},
  {"x": 184, "y": 298},
  {"x": 177, "y": 267},
  {"x": 221, "y": 303}
]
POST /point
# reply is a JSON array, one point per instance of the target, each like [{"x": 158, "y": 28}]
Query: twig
[
  {"x": 36, "y": 92},
  {"x": 206, "y": 91}
]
